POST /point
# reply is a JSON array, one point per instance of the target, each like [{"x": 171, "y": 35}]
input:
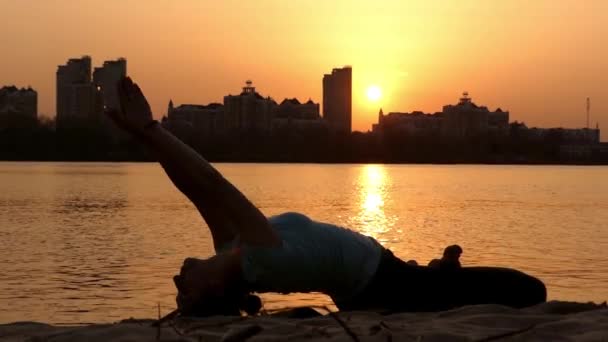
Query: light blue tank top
[{"x": 314, "y": 257}]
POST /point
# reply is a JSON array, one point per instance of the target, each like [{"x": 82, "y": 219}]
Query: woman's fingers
[
  {"x": 137, "y": 91},
  {"x": 135, "y": 110},
  {"x": 122, "y": 94},
  {"x": 127, "y": 90},
  {"x": 139, "y": 97},
  {"x": 116, "y": 117},
  {"x": 131, "y": 89}
]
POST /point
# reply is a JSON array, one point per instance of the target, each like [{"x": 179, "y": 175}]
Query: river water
[{"x": 99, "y": 242}]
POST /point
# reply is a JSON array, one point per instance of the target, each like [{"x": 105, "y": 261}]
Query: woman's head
[
  {"x": 214, "y": 286},
  {"x": 230, "y": 305}
]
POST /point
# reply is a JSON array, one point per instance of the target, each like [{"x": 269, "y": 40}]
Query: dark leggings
[{"x": 400, "y": 287}]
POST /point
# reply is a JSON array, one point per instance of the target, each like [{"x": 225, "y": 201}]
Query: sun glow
[
  {"x": 371, "y": 218},
  {"x": 374, "y": 93}
]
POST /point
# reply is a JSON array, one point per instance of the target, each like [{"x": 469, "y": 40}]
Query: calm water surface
[{"x": 101, "y": 242}]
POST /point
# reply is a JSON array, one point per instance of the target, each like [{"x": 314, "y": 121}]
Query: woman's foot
[{"x": 450, "y": 259}]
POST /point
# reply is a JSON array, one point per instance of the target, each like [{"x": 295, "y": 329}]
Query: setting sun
[{"x": 374, "y": 93}]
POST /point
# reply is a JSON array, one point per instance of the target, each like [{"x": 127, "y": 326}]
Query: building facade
[
  {"x": 463, "y": 120},
  {"x": 291, "y": 114},
  {"x": 77, "y": 96},
  {"x": 292, "y": 108},
  {"x": 248, "y": 111},
  {"x": 337, "y": 99},
  {"x": 466, "y": 119},
  {"x": 22, "y": 101},
  {"x": 562, "y": 135},
  {"x": 409, "y": 124},
  {"x": 106, "y": 79},
  {"x": 82, "y": 94},
  {"x": 207, "y": 120}
]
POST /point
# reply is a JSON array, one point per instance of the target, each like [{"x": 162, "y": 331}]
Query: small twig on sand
[
  {"x": 389, "y": 332},
  {"x": 167, "y": 317},
  {"x": 343, "y": 325},
  {"x": 385, "y": 326},
  {"x": 175, "y": 329}
]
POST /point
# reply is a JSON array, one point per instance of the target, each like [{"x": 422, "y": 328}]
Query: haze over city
[
  {"x": 304, "y": 170},
  {"x": 539, "y": 60}
]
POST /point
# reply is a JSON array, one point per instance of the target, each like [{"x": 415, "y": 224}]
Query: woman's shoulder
[{"x": 289, "y": 218}]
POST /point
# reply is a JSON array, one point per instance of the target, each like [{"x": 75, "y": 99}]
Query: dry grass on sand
[{"x": 553, "y": 321}]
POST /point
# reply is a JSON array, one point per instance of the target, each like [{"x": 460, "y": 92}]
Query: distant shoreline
[{"x": 315, "y": 162}]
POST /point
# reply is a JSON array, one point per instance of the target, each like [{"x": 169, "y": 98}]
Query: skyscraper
[
  {"x": 466, "y": 119},
  {"x": 77, "y": 96},
  {"x": 22, "y": 101},
  {"x": 106, "y": 78},
  {"x": 337, "y": 99},
  {"x": 248, "y": 111}
]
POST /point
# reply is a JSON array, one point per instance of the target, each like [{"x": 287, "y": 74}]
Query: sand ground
[{"x": 553, "y": 321}]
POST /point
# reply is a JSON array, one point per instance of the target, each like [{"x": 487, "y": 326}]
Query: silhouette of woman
[{"x": 292, "y": 253}]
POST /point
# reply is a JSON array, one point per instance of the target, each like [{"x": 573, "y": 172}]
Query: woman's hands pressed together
[{"x": 134, "y": 114}]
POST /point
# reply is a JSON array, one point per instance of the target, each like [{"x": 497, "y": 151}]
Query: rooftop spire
[
  {"x": 465, "y": 98},
  {"x": 248, "y": 88},
  {"x": 170, "y": 108}
]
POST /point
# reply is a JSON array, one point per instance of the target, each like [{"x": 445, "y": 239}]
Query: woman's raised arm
[{"x": 191, "y": 173}]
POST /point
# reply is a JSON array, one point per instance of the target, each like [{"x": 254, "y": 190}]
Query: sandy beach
[{"x": 552, "y": 321}]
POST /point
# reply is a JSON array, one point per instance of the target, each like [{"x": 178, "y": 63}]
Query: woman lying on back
[{"x": 293, "y": 253}]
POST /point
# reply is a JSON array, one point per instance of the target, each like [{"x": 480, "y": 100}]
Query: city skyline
[
  {"x": 251, "y": 126},
  {"x": 264, "y": 112},
  {"x": 419, "y": 54}
]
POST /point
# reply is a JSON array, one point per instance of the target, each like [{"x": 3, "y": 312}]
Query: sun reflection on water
[
  {"x": 370, "y": 217},
  {"x": 373, "y": 203},
  {"x": 82, "y": 242}
]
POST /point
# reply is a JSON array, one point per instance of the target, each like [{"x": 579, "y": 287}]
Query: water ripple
[{"x": 97, "y": 242}]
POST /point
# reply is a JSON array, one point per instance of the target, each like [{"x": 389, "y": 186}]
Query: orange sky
[{"x": 539, "y": 59}]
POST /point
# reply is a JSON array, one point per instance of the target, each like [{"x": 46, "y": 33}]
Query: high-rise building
[
  {"x": 22, "y": 101},
  {"x": 248, "y": 111},
  {"x": 414, "y": 124},
  {"x": 337, "y": 99},
  {"x": 205, "y": 120},
  {"x": 107, "y": 77},
  {"x": 77, "y": 96},
  {"x": 462, "y": 120},
  {"x": 291, "y": 114},
  {"x": 293, "y": 109},
  {"x": 466, "y": 119}
]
